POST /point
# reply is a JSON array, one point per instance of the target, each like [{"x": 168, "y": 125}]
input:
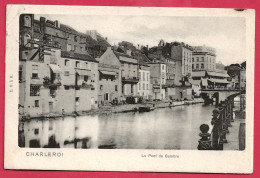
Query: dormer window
[
  {"x": 26, "y": 41},
  {"x": 27, "y": 21}
]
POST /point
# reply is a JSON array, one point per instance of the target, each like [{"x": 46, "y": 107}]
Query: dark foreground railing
[{"x": 221, "y": 121}]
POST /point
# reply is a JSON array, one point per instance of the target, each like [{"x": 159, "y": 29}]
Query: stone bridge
[{"x": 219, "y": 94}]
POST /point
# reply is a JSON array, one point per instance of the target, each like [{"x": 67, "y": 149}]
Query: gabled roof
[
  {"x": 126, "y": 58},
  {"x": 72, "y": 55},
  {"x": 143, "y": 60}
]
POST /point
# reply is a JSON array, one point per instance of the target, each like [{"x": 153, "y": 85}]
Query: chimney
[
  {"x": 128, "y": 52},
  {"x": 42, "y": 24},
  {"x": 57, "y": 24},
  {"x": 147, "y": 47}
]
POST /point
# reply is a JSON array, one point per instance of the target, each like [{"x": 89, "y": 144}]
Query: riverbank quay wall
[{"x": 179, "y": 93}]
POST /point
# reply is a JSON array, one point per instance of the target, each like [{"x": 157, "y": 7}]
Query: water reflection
[{"x": 167, "y": 128}]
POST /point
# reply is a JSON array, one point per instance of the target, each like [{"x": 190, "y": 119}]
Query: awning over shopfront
[
  {"x": 219, "y": 81},
  {"x": 108, "y": 72},
  {"x": 83, "y": 72},
  {"x": 204, "y": 82},
  {"x": 218, "y": 74},
  {"x": 55, "y": 68}
]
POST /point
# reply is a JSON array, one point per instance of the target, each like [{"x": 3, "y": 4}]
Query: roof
[
  {"x": 72, "y": 55},
  {"x": 107, "y": 72},
  {"x": 143, "y": 60},
  {"x": 55, "y": 68},
  {"x": 219, "y": 81},
  {"x": 195, "y": 82},
  {"x": 84, "y": 72},
  {"x": 126, "y": 57},
  {"x": 218, "y": 74},
  {"x": 198, "y": 73}
]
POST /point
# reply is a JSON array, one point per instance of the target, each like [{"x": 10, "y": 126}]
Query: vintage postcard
[{"x": 129, "y": 89}]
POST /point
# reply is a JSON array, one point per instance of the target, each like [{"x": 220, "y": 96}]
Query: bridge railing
[{"x": 221, "y": 121}]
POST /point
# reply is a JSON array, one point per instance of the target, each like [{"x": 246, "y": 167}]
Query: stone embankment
[{"x": 123, "y": 108}]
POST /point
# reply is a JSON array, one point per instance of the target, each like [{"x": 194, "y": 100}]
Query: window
[
  {"x": 197, "y": 66},
  {"x": 20, "y": 73},
  {"x": 193, "y": 59},
  {"x": 115, "y": 87},
  {"x": 202, "y": 66},
  {"x": 34, "y": 71},
  {"x": 101, "y": 87},
  {"x": 143, "y": 76},
  {"x": 77, "y": 64},
  {"x": 36, "y": 131},
  {"x": 69, "y": 47},
  {"x": 81, "y": 49},
  {"x": 51, "y": 125},
  {"x": 202, "y": 59},
  {"x": 75, "y": 48},
  {"x": 66, "y": 87},
  {"x": 36, "y": 103},
  {"x": 26, "y": 41},
  {"x": 162, "y": 67},
  {"x": 34, "y": 75},
  {"x": 143, "y": 86},
  {"x": 53, "y": 92},
  {"x": 66, "y": 73},
  {"x": 67, "y": 62},
  {"x": 34, "y": 90},
  {"x": 77, "y": 99},
  {"x": 75, "y": 38},
  {"x": 27, "y": 21},
  {"x": 197, "y": 59},
  {"x": 140, "y": 86},
  {"x": 192, "y": 66},
  {"x": 85, "y": 78}
]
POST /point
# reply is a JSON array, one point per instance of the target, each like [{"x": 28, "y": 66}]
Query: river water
[{"x": 166, "y": 128}]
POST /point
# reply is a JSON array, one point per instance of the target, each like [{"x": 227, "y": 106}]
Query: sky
[{"x": 226, "y": 34}]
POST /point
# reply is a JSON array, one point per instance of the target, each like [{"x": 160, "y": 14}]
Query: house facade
[
  {"x": 203, "y": 58},
  {"x": 53, "y": 79},
  {"x": 110, "y": 86},
  {"x": 129, "y": 73},
  {"x": 158, "y": 80}
]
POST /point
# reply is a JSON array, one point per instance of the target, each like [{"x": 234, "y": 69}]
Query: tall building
[
  {"x": 203, "y": 58},
  {"x": 129, "y": 73},
  {"x": 56, "y": 73},
  {"x": 110, "y": 86},
  {"x": 144, "y": 83},
  {"x": 158, "y": 80},
  {"x": 182, "y": 54}
]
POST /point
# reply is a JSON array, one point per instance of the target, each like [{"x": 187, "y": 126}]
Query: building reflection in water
[
  {"x": 68, "y": 132},
  {"x": 167, "y": 128}
]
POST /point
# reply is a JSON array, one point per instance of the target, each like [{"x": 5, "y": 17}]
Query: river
[{"x": 166, "y": 128}]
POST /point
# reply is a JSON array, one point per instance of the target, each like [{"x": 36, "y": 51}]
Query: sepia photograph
[
  {"x": 152, "y": 86},
  {"x": 133, "y": 81}
]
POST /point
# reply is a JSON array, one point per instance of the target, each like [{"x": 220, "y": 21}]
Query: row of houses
[{"x": 63, "y": 71}]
